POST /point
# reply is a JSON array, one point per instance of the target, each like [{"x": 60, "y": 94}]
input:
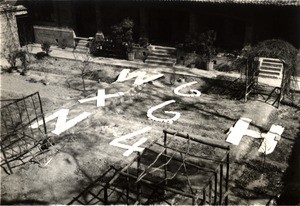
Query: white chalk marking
[
  {"x": 196, "y": 92},
  {"x": 140, "y": 76},
  {"x": 170, "y": 120},
  {"x": 62, "y": 124},
  {"x": 238, "y": 131},
  {"x": 101, "y": 96},
  {"x": 135, "y": 146},
  {"x": 271, "y": 139}
]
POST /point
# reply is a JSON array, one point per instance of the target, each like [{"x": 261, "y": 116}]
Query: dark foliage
[
  {"x": 117, "y": 43},
  {"x": 46, "y": 47},
  {"x": 274, "y": 48},
  {"x": 202, "y": 44}
]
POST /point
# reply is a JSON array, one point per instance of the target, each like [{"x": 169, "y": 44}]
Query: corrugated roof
[{"x": 256, "y": 2}]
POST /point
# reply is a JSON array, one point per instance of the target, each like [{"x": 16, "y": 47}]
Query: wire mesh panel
[
  {"x": 19, "y": 142},
  {"x": 178, "y": 170}
]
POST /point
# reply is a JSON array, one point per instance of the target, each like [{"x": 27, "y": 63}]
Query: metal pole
[
  {"x": 210, "y": 189},
  {"x": 216, "y": 188},
  {"x": 227, "y": 178},
  {"x": 138, "y": 188},
  {"x": 221, "y": 183},
  {"x": 165, "y": 152},
  {"x": 105, "y": 195},
  {"x": 127, "y": 189},
  {"x": 43, "y": 117}
]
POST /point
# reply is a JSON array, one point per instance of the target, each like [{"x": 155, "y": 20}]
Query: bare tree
[{"x": 83, "y": 65}]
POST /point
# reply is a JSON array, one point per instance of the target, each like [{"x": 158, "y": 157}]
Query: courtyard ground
[{"x": 84, "y": 152}]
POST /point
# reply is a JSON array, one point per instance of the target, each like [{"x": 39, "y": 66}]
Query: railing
[{"x": 164, "y": 173}]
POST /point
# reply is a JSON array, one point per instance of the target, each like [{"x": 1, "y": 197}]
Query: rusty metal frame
[
  {"x": 19, "y": 142},
  {"x": 142, "y": 180}
]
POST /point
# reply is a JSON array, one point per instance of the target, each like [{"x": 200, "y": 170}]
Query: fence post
[
  {"x": 221, "y": 183},
  {"x": 216, "y": 188},
  {"x": 227, "y": 178},
  {"x": 138, "y": 187}
]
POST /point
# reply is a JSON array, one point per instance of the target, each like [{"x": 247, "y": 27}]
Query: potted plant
[
  {"x": 121, "y": 36},
  {"x": 208, "y": 48},
  {"x": 127, "y": 27},
  {"x": 12, "y": 60},
  {"x": 46, "y": 47}
]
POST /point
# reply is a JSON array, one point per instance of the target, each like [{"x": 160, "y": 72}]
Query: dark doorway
[
  {"x": 167, "y": 26},
  {"x": 85, "y": 18},
  {"x": 25, "y": 30}
]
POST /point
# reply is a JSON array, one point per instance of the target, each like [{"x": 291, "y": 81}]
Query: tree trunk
[{"x": 83, "y": 83}]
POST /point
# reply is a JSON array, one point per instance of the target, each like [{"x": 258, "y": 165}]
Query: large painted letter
[
  {"x": 152, "y": 109},
  {"x": 135, "y": 146},
  {"x": 62, "y": 124},
  {"x": 240, "y": 129},
  {"x": 100, "y": 98},
  {"x": 140, "y": 77},
  {"x": 271, "y": 139},
  {"x": 195, "y": 93}
]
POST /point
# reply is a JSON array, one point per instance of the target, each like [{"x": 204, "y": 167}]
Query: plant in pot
[
  {"x": 207, "y": 48},
  {"x": 121, "y": 36},
  {"x": 22, "y": 55},
  {"x": 127, "y": 27},
  {"x": 46, "y": 47},
  {"x": 12, "y": 60}
]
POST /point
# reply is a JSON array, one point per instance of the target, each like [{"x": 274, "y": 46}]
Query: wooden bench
[{"x": 270, "y": 67}]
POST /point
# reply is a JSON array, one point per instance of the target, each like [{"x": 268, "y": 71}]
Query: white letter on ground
[
  {"x": 100, "y": 98},
  {"x": 62, "y": 124},
  {"x": 135, "y": 146},
  {"x": 152, "y": 109},
  {"x": 140, "y": 77},
  {"x": 196, "y": 92}
]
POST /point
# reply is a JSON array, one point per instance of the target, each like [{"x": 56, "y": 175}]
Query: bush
[
  {"x": 274, "y": 48},
  {"x": 46, "y": 47},
  {"x": 202, "y": 44},
  {"x": 117, "y": 44},
  {"x": 12, "y": 58},
  {"x": 143, "y": 42}
]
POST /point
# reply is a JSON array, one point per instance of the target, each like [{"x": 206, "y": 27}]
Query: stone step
[
  {"x": 157, "y": 47},
  {"x": 265, "y": 71},
  {"x": 268, "y": 76},
  {"x": 163, "y": 58},
  {"x": 81, "y": 43},
  {"x": 81, "y": 47},
  {"x": 160, "y": 51},
  {"x": 279, "y": 69},
  {"x": 81, "y": 50},
  {"x": 162, "y": 54},
  {"x": 161, "y": 62}
]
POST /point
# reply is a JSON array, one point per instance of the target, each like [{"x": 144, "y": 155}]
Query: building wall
[
  {"x": 9, "y": 37},
  {"x": 169, "y": 22}
]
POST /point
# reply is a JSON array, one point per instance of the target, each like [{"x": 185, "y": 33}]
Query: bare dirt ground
[{"x": 84, "y": 152}]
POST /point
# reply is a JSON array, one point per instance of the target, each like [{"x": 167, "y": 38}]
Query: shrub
[
  {"x": 63, "y": 43},
  {"x": 12, "y": 58},
  {"x": 22, "y": 55},
  {"x": 274, "y": 48},
  {"x": 143, "y": 42},
  {"x": 202, "y": 44},
  {"x": 122, "y": 33},
  {"x": 46, "y": 47}
]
